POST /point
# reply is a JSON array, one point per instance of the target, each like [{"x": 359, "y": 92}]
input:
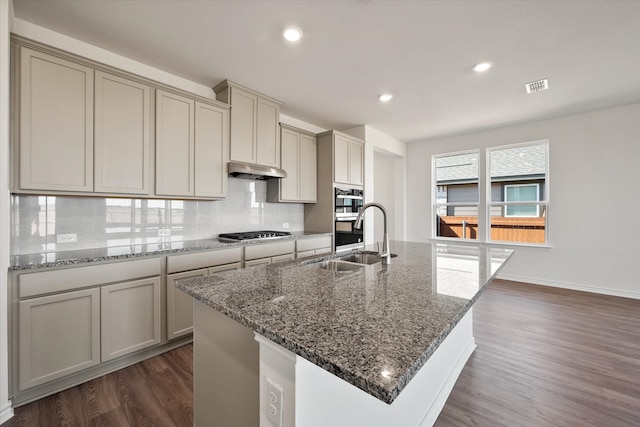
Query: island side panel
[
  {"x": 323, "y": 399},
  {"x": 226, "y": 370}
]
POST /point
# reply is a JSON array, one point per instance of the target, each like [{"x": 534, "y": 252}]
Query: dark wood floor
[{"x": 545, "y": 357}]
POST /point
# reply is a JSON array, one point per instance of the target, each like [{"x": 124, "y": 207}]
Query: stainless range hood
[{"x": 250, "y": 171}]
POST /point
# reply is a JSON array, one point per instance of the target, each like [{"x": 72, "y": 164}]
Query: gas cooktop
[{"x": 252, "y": 235}]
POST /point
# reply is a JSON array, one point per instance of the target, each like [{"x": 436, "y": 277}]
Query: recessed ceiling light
[
  {"x": 292, "y": 34},
  {"x": 385, "y": 97},
  {"x": 482, "y": 66}
]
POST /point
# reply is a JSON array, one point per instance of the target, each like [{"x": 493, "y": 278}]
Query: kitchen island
[{"x": 378, "y": 345}]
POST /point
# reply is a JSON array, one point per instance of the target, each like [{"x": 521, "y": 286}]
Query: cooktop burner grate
[{"x": 252, "y": 235}]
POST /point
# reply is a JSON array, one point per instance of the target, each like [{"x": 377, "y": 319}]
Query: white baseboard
[
  {"x": 6, "y": 414},
  {"x": 572, "y": 286}
]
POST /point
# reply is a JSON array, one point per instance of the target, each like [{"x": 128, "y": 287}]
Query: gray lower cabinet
[
  {"x": 58, "y": 335},
  {"x": 180, "y": 305},
  {"x": 268, "y": 253},
  {"x": 130, "y": 319},
  {"x": 199, "y": 264},
  {"x": 313, "y": 246},
  {"x": 72, "y": 320}
]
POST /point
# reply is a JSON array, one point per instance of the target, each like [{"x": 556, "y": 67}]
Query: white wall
[
  {"x": 6, "y": 18},
  {"x": 384, "y": 145},
  {"x": 594, "y": 211}
]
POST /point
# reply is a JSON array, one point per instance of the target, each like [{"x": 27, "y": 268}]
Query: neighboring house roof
[{"x": 506, "y": 164}]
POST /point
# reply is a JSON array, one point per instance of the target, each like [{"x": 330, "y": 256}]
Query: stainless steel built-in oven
[{"x": 348, "y": 203}]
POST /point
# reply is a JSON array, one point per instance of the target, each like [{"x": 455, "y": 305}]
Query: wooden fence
[{"x": 507, "y": 229}]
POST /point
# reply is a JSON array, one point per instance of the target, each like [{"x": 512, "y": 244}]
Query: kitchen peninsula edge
[{"x": 377, "y": 328}]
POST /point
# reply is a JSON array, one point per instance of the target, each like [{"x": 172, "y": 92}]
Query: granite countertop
[
  {"x": 374, "y": 327},
  {"x": 114, "y": 253}
]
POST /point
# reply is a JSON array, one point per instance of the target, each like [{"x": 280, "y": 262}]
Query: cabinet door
[
  {"x": 268, "y": 133},
  {"x": 244, "y": 106},
  {"x": 289, "y": 186},
  {"x": 57, "y": 336},
  {"x": 180, "y": 305},
  {"x": 56, "y": 123},
  {"x": 130, "y": 318},
  {"x": 308, "y": 168},
  {"x": 341, "y": 146},
  {"x": 174, "y": 145},
  {"x": 211, "y": 142},
  {"x": 356, "y": 162},
  {"x": 122, "y": 135}
]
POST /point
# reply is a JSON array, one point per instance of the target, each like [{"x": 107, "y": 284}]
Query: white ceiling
[{"x": 352, "y": 51}]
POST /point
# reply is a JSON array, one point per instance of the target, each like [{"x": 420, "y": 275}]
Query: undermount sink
[
  {"x": 338, "y": 265},
  {"x": 362, "y": 258}
]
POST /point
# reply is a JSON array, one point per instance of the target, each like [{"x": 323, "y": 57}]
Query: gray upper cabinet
[
  {"x": 191, "y": 147},
  {"x": 298, "y": 156},
  {"x": 211, "y": 150},
  {"x": 175, "y": 143},
  {"x": 255, "y": 134},
  {"x": 55, "y": 98},
  {"x": 122, "y": 125},
  {"x": 347, "y": 157},
  {"x": 89, "y": 129}
]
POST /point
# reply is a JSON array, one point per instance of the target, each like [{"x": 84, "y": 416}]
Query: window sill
[{"x": 514, "y": 245}]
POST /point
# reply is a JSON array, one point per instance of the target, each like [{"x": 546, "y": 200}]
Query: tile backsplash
[{"x": 49, "y": 223}]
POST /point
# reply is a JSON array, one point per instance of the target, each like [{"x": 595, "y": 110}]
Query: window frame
[
  {"x": 485, "y": 203},
  {"x": 508, "y": 203},
  {"x": 434, "y": 192}
]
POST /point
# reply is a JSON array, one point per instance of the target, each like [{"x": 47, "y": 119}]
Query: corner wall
[
  {"x": 6, "y": 20},
  {"x": 383, "y": 144},
  {"x": 594, "y": 202}
]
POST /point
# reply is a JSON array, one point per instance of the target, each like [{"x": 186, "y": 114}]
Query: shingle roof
[{"x": 518, "y": 162}]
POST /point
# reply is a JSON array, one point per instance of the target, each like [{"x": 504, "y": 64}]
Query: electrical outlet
[
  {"x": 285, "y": 225},
  {"x": 274, "y": 403},
  {"x": 67, "y": 238},
  {"x": 164, "y": 232}
]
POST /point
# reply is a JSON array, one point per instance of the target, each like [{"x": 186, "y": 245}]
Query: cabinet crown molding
[{"x": 229, "y": 84}]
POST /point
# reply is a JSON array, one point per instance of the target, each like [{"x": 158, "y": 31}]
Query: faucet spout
[{"x": 385, "y": 254}]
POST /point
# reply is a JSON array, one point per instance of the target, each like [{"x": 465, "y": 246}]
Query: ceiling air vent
[{"x": 537, "y": 86}]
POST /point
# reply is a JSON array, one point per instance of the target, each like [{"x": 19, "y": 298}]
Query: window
[
  {"x": 457, "y": 195},
  {"x": 522, "y": 193},
  {"x": 507, "y": 202}
]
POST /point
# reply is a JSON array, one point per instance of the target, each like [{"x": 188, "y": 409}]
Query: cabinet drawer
[
  {"x": 313, "y": 243},
  {"x": 269, "y": 250},
  {"x": 176, "y": 263},
  {"x": 44, "y": 282}
]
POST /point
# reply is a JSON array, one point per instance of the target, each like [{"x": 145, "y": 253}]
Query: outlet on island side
[
  {"x": 273, "y": 406},
  {"x": 164, "y": 232},
  {"x": 285, "y": 225}
]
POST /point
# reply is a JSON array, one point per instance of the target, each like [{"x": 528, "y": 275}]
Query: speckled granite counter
[
  {"x": 358, "y": 324},
  {"x": 83, "y": 256}
]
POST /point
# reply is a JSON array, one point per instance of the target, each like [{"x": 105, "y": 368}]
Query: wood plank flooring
[
  {"x": 545, "y": 357},
  {"x": 549, "y": 357}
]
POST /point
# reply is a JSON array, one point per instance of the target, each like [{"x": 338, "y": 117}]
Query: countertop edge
[{"x": 139, "y": 253}]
